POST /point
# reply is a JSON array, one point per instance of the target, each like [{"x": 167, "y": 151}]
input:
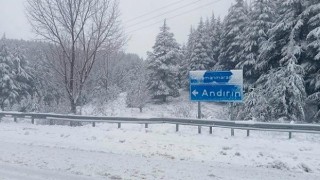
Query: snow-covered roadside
[
  {"x": 158, "y": 152},
  {"x": 175, "y": 107}
]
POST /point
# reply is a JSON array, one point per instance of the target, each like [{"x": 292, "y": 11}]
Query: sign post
[
  {"x": 216, "y": 86},
  {"x": 199, "y": 110},
  {"x": 199, "y": 116}
]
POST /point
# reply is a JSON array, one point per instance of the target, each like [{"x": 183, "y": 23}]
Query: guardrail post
[
  {"x": 119, "y": 125},
  {"x": 15, "y": 119},
  {"x": 199, "y": 129},
  {"x": 290, "y": 135},
  {"x": 210, "y": 129},
  {"x": 248, "y": 132},
  {"x": 93, "y": 124},
  {"x": 232, "y": 132},
  {"x": 177, "y": 127},
  {"x": 146, "y": 125},
  {"x": 32, "y": 120}
]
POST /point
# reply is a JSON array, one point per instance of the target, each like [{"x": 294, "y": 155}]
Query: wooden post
[
  {"x": 210, "y": 129},
  {"x": 119, "y": 125},
  {"x": 248, "y": 132},
  {"x": 177, "y": 127},
  {"x": 232, "y": 132},
  {"x": 146, "y": 125},
  {"x": 15, "y": 119},
  {"x": 32, "y": 120},
  {"x": 93, "y": 124},
  {"x": 290, "y": 135},
  {"x": 199, "y": 129}
]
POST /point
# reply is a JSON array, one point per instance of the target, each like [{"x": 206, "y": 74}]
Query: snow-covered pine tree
[
  {"x": 207, "y": 29},
  {"x": 311, "y": 64},
  {"x": 283, "y": 85},
  {"x": 183, "y": 68},
  {"x": 200, "y": 52},
  {"x": 287, "y": 21},
  {"x": 16, "y": 79},
  {"x": 286, "y": 48},
  {"x": 284, "y": 90},
  {"x": 9, "y": 92},
  {"x": 191, "y": 42},
  {"x": 261, "y": 19},
  {"x": 255, "y": 106},
  {"x": 186, "y": 52},
  {"x": 231, "y": 40},
  {"x": 162, "y": 65},
  {"x": 24, "y": 80},
  {"x": 215, "y": 32}
]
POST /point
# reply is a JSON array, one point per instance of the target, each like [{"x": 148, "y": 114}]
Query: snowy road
[
  {"x": 10, "y": 171},
  {"x": 56, "y": 152}
]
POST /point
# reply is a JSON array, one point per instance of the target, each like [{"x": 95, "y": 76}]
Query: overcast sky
[{"x": 141, "y": 19}]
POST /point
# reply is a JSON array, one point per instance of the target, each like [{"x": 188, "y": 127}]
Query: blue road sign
[{"x": 218, "y": 86}]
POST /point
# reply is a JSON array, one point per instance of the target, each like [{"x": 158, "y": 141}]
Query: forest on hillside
[{"x": 275, "y": 42}]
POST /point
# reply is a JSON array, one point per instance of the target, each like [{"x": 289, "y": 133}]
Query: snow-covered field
[
  {"x": 133, "y": 152},
  {"x": 31, "y": 152},
  {"x": 175, "y": 107}
]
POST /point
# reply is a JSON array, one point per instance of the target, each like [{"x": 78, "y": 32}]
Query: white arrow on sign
[{"x": 195, "y": 92}]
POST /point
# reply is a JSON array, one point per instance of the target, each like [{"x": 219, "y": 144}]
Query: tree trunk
[
  {"x": 164, "y": 98},
  {"x": 74, "y": 111},
  {"x": 2, "y": 106},
  {"x": 73, "y": 107}
]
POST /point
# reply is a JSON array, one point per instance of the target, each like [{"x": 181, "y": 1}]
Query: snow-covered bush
[
  {"x": 183, "y": 110},
  {"x": 255, "y": 107},
  {"x": 313, "y": 107},
  {"x": 138, "y": 94}
]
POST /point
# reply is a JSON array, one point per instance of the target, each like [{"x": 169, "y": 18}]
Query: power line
[
  {"x": 167, "y": 12},
  {"x": 156, "y": 10},
  {"x": 172, "y": 17}
]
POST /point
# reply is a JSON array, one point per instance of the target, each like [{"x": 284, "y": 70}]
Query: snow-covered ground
[
  {"x": 175, "y": 107},
  {"x": 31, "y": 152},
  {"x": 133, "y": 152}
]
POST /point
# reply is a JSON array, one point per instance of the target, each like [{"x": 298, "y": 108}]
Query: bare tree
[{"x": 77, "y": 30}]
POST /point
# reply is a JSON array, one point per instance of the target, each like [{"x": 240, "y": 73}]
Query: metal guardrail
[{"x": 243, "y": 125}]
